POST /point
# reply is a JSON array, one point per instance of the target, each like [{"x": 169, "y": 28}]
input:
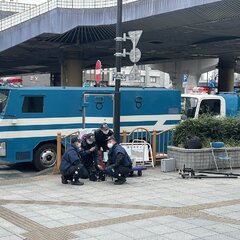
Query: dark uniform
[
  {"x": 90, "y": 158},
  {"x": 101, "y": 138},
  {"x": 119, "y": 164},
  {"x": 71, "y": 167}
]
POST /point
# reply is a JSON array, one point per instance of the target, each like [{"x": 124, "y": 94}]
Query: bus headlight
[{"x": 2, "y": 149}]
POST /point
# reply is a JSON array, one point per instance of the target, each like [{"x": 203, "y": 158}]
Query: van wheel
[{"x": 45, "y": 156}]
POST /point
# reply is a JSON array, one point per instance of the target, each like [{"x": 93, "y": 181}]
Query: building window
[
  {"x": 126, "y": 78},
  {"x": 32, "y": 105},
  {"x": 142, "y": 79},
  {"x": 153, "y": 79}
]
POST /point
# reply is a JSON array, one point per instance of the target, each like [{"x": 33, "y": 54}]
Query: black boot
[
  {"x": 64, "y": 180},
  {"x": 77, "y": 183},
  {"x": 120, "y": 181},
  {"x": 101, "y": 177}
]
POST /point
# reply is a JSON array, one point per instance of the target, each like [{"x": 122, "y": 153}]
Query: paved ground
[
  {"x": 154, "y": 206},
  {"x": 16, "y": 171}
]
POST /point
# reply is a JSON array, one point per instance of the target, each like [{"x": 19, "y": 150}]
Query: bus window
[{"x": 32, "y": 104}]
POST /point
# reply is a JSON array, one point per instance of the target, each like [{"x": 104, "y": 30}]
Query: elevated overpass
[{"x": 69, "y": 35}]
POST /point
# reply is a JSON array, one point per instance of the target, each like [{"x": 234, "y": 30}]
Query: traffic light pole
[{"x": 118, "y": 77}]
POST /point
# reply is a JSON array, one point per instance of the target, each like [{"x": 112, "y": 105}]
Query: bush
[{"x": 209, "y": 129}]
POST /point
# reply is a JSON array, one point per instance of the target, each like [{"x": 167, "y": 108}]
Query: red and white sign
[
  {"x": 98, "y": 71},
  {"x": 199, "y": 89},
  {"x": 7, "y": 81}
]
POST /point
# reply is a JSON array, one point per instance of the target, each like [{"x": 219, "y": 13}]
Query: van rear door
[{"x": 97, "y": 108}]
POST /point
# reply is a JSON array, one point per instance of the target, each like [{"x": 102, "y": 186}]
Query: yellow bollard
[
  {"x": 59, "y": 153},
  {"x": 124, "y": 139}
]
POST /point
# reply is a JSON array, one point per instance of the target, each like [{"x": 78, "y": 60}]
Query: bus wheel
[{"x": 45, "y": 156}]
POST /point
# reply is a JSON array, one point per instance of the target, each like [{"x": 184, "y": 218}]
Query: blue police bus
[{"x": 31, "y": 117}]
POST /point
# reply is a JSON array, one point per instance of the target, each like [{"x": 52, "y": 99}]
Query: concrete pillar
[
  {"x": 71, "y": 72},
  {"x": 226, "y": 68},
  {"x": 193, "y": 80},
  {"x": 176, "y": 79}
]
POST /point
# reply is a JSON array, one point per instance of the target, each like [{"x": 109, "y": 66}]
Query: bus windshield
[
  {"x": 3, "y": 100},
  {"x": 189, "y": 105}
]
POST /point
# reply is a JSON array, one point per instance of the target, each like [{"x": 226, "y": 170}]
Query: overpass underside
[{"x": 172, "y": 30}]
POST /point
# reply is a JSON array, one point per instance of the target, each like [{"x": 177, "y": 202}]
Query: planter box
[{"x": 201, "y": 159}]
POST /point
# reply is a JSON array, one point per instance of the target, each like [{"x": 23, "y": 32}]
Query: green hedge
[{"x": 209, "y": 129}]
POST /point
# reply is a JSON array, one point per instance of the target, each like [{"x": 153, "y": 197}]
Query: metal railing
[
  {"x": 158, "y": 140},
  {"x": 18, "y": 18},
  {"x": 15, "y": 6},
  {"x": 62, "y": 143}
]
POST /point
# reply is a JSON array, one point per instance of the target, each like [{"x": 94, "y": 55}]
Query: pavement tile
[
  {"x": 4, "y": 233},
  {"x": 200, "y": 222},
  {"x": 234, "y": 234},
  {"x": 138, "y": 233},
  {"x": 179, "y": 235},
  {"x": 161, "y": 229},
  {"x": 113, "y": 236},
  {"x": 233, "y": 215},
  {"x": 53, "y": 224},
  {"x": 145, "y": 223},
  {"x": 220, "y": 228},
  {"x": 81, "y": 235},
  {"x": 219, "y": 237},
  {"x": 180, "y": 225},
  {"x": 96, "y": 232},
  {"x": 165, "y": 219},
  {"x": 199, "y": 232},
  {"x": 157, "y": 237},
  {"x": 122, "y": 226}
]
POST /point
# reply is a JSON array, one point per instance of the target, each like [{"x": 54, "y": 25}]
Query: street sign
[
  {"x": 135, "y": 74},
  {"x": 135, "y": 36},
  {"x": 135, "y": 55},
  {"x": 185, "y": 80},
  {"x": 98, "y": 71}
]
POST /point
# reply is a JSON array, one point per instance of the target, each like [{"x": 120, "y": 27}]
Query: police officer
[
  {"x": 101, "y": 136},
  {"x": 71, "y": 167},
  {"x": 90, "y": 158},
  {"x": 119, "y": 164}
]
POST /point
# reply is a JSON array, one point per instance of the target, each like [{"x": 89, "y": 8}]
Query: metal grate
[
  {"x": 23, "y": 155},
  {"x": 15, "y": 7},
  {"x": 53, "y": 4}
]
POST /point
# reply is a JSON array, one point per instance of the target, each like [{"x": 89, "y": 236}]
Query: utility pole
[{"x": 118, "y": 76}]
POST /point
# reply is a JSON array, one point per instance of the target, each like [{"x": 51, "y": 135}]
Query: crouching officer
[
  {"x": 71, "y": 167},
  {"x": 119, "y": 164},
  {"x": 90, "y": 158}
]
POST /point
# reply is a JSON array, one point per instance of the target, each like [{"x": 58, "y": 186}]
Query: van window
[
  {"x": 3, "y": 100},
  {"x": 32, "y": 104},
  {"x": 210, "y": 106},
  {"x": 189, "y": 105}
]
